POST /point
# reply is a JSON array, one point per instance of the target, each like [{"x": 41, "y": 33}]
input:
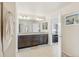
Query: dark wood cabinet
[
  {"x": 35, "y": 40},
  {"x": 24, "y": 41},
  {"x": 32, "y": 40}
]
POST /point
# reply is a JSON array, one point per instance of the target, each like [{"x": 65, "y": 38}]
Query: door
[
  {"x": 70, "y": 37},
  {"x": 56, "y": 34},
  {"x": 1, "y": 54}
]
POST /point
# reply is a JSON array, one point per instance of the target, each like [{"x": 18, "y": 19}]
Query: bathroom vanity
[
  {"x": 32, "y": 31},
  {"x": 32, "y": 39}
]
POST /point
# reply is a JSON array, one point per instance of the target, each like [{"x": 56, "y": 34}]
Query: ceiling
[{"x": 39, "y": 8}]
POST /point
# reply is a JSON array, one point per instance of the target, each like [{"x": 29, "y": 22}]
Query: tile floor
[{"x": 39, "y": 51}]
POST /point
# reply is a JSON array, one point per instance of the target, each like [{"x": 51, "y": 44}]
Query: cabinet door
[
  {"x": 35, "y": 40},
  {"x": 45, "y": 39},
  {"x": 41, "y": 39},
  {"x": 24, "y": 41}
]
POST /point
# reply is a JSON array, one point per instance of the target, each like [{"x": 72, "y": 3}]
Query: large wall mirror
[{"x": 32, "y": 24}]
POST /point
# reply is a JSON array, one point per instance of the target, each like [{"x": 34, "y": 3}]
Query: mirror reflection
[{"x": 32, "y": 24}]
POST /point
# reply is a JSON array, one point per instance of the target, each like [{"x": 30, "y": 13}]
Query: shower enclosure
[{"x": 7, "y": 29}]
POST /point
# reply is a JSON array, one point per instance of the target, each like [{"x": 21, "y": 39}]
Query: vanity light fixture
[
  {"x": 31, "y": 18},
  {"x": 25, "y": 17},
  {"x": 39, "y": 19},
  {"x": 28, "y": 18},
  {"x": 20, "y": 17}
]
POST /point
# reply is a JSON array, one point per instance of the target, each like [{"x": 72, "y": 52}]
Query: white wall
[{"x": 70, "y": 33}]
